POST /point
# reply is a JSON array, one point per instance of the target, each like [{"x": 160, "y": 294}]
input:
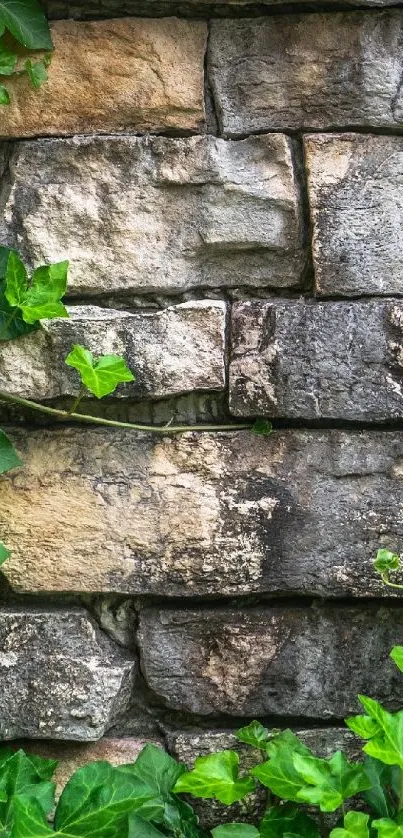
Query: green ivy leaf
[
  {"x": 254, "y": 734},
  {"x": 42, "y": 299},
  {"x": 235, "y": 830},
  {"x": 37, "y": 73},
  {"x": 386, "y": 561},
  {"x": 262, "y": 427},
  {"x": 9, "y": 458},
  {"x": 16, "y": 280},
  {"x": 4, "y": 95},
  {"x": 216, "y": 776},
  {"x": 26, "y": 22},
  {"x": 101, "y": 376},
  {"x": 387, "y": 828},
  {"x": 397, "y": 656},
  {"x": 29, "y": 819},
  {"x": 139, "y": 828},
  {"x": 385, "y": 734},
  {"x": 8, "y": 61},
  {"x": 12, "y": 325},
  {"x": 384, "y": 789},
  {"x": 19, "y": 776},
  {"x": 280, "y": 821},
  {"x": 4, "y": 553},
  {"x": 329, "y": 782},
  {"x": 355, "y": 826},
  {"x": 156, "y": 769},
  {"x": 278, "y": 773}
]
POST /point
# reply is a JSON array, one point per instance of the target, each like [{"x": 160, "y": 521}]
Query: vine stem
[
  {"x": 387, "y": 582},
  {"x": 96, "y": 420}
]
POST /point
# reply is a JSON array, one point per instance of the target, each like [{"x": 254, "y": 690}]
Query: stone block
[
  {"x": 311, "y": 71},
  {"x": 355, "y": 194},
  {"x": 331, "y": 360},
  {"x": 138, "y": 215},
  {"x": 114, "y": 76},
  {"x": 177, "y": 350},
  {"x": 60, "y": 676},
  {"x": 288, "y": 661},
  {"x": 194, "y": 8},
  {"x": 105, "y": 510}
]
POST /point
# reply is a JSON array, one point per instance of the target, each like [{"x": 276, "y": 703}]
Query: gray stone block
[
  {"x": 60, "y": 677},
  {"x": 332, "y": 360},
  {"x": 138, "y": 215},
  {"x": 300, "y": 512},
  {"x": 315, "y": 71},
  {"x": 288, "y": 661},
  {"x": 177, "y": 350}
]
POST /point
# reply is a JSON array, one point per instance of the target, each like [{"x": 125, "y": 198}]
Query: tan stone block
[{"x": 112, "y": 76}]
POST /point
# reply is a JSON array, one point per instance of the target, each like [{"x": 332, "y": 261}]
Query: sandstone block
[
  {"x": 139, "y": 215},
  {"x": 356, "y": 208},
  {"x": 290, "y": 662},
  {"x": 176, "y": 350},
  {"x": 104, "y": 510},
  {"x": 60, "y": 677},
  {"x": 112, "y": 76},
  {"x": 336, "y": 360},
  {"x": 314, "y": 71}
]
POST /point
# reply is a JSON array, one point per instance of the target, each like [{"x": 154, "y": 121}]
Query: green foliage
[
  {"x": 386, "y": 563},
  {"x": 101, "y": 375},
  {"x": 216, "y": 776},
  {"x": 262, "y": 427},
  {"x": 4, "y": 555},
  {"x": 355, "y": 826},
  {"x": 9, "y": 458},
  {"x": 254, "y": 734},
  {"x": 26, "y": 22},
  {"x": 235, "y": 830},
  {"x": 286, "y": 820},
  {"x": 39, "y": 299}
]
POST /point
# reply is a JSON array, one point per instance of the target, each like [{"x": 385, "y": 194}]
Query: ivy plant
[
  {"x": 143, "y": 799},
  {"x": 22, "y": 22}
]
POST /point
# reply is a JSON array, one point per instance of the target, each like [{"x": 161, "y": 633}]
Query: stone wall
[{"x": 227, "y": 184}]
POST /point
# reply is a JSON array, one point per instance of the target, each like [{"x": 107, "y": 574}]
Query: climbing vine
[{"x": 23, "y": 24}]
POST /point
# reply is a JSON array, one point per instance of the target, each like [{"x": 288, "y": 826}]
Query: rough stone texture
[
  {"x": 337, "y": 360},
  {"x": 308, "y": 71},
  {"x": 177, "y": 350},
  {"x": 138, "y": 215},
  {"x": 73, "y": 756},
  {"x": 60, "y": 677},
  {"x": 133, "y": 74},
  {"x": 287, "y": 661},
  {"x": 202, "y": 8},
  {"x": 355, "y": 193},
  {"x": 224, "y": 514}
]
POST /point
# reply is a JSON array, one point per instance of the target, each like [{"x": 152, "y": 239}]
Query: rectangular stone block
[
  {"x": 311, "y": 71},
  {"x": 114, "y": 76},
  {"x": 105, "y": 510},
  {"x": 271, "y": 661},
  {"x": 172, "y": 351},
  {"x": 332, "y": 360},
  {"x": 355, "y": 194},
  {"x": 139, "y": 215},
  {"x": 60, "y": 676}
]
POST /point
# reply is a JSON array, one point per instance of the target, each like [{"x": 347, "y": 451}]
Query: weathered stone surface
[
  {"x": 138, "y": 215},
  {"x": 355, "y": 196},
  {"x": 72, "y": 755},
  {"x": 177, "y": 350},
  {"x": 224, "y": 514},
  {"x": 140, "y": 75},
  {"x": 313, "y": 71},
  {"x": 337, "y": 360},
  {"x": 199, "y": 8},
  {"x": 287, "y": 661},
  {"x": 60, "y": 677}
]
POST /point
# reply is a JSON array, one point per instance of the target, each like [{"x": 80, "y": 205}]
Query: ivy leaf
[
  {"x": 384, "y": 781},
  {"x": 139, "y": 828},
  {"x": 278, "y": 773},
  {"x": 101, "y": 376},
  {"x": 4, "y": 257},
  {"x": 4, "y": 553},
  {"x": 235, "y": 830},
  {"x": 4, "y": 95},
  {"x": 397, "y": 656},
  {"x": 387, "y": 828},
  {"x": 383, "y": 730},
  {"x": 26, "y": 22},
  {"x": 9, "y": 458},
  {"x": 280, "y": 821},
  {"x": 262, "y": 427},
  {"x": 355, "y": 826},
  {"x": 216, "y": 776},
  {"x": 329, "y": 782},
  {"x": 37, "y": 73},
  {"x": 16, "y": 280},
  {"x": 8, "y": 61},
  {"x": 20, "y": 777},
  {"x": 385, "y": 560},
  {"x": 42, "y": 300},
  {"x": 29, "y": 819},
  {"x": 12, "y": 325},
  {"x": 254, "y": 734},
  {"x": 156, "y": 769}
]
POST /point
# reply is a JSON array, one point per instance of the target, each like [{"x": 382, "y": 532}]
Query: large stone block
[
  {"x": 222, "y": 514},
  {"x": 355, "y": 193},
  {"x": 60, "y": 677},
  {"x": 139, "y": 215},
  {"x": 314, "y": 71},
  {"x": 287, "y": 661},
  {"x": 333, "y": 360},
  {"x": 176, "y": 350},
  {"x": 115, "y": 75}
]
